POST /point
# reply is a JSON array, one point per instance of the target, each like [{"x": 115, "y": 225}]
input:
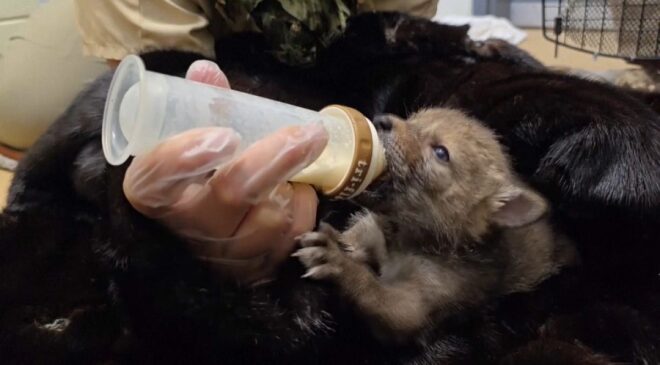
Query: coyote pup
[{"x": 447, "y": 227}]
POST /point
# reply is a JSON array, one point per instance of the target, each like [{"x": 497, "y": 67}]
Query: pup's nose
[{"x": 383, "y": 122}]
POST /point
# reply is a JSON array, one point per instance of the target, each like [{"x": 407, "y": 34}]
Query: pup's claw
[
  {"x": 311, "y": 256},
  {"x": 311, "y": 239},
  {"x": 321, "y": 253},
  {"x": 322, "y": 272}
]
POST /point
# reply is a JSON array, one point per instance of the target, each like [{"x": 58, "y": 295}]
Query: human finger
[
  {"x": 264, "y": 224},
  {"x": 156, "y": 181},
  {"x": 207, "y": 72},
  {"x": 253, "y": 175}
]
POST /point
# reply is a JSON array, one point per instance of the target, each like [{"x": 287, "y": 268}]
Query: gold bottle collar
[{"x": 362, "y": 153}]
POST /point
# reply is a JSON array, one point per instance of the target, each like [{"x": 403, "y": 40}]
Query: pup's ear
[{"x": 517, "y": 206}]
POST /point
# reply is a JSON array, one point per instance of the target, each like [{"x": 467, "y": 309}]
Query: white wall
[
  {"x": 528, "y": 13},
  {"x": 12, "y": 15},
  {"x": 455, "y": 7}
]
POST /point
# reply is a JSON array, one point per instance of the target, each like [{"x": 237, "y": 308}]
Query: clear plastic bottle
[{"x": 145, "y": 107}]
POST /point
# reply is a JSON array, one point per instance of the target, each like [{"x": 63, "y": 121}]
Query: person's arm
[
  {"x": 422, "y": 8},
  {"x": 114, "y": 29},
  {"x": 236, "y": 210}
]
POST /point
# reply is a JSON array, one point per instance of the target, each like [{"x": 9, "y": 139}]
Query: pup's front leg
[
  {"x": 394, "y": 312},
  {"x": 365, "y": 240}
]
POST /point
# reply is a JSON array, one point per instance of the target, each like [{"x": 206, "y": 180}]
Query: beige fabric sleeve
[
  {"x": 421, "y": 8},
  {"x": 111, "y": 29}
]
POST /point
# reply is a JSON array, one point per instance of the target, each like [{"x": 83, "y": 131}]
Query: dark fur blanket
[{"x": 85, "y": 279}]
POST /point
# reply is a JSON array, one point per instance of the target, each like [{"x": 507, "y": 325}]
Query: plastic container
[{"x": 145, "y": 107}]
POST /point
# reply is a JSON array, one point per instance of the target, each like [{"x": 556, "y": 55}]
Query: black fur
[{"x": 72, "y": 248}]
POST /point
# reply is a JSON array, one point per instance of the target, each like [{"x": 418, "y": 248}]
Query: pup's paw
[
  {"x": 321, "y": 253},
  {"x": 361, "y": 255}
]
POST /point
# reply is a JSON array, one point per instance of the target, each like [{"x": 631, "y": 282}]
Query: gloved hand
[{"x": 236, "y": 210}]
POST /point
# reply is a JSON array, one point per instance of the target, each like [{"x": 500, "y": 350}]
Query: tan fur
[
  {"x": 536, "y": 252},
  {"x": 467, "y": 190},
  {"x": 438, "y": 236}
]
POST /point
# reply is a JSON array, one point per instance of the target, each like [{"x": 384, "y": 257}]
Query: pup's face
[{"x": 448, "y": 174}]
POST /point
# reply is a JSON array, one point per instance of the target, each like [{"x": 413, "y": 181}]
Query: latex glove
[{"x": 235, "y": 210}]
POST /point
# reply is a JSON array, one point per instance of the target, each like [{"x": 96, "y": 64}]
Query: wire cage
[{"x": 628, "y": 29}]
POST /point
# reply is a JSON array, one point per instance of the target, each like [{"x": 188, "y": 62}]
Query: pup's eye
[{"x": 441, "y": 153}]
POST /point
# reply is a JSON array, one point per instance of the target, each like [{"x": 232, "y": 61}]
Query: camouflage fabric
[{"x": 295, "y": 29}]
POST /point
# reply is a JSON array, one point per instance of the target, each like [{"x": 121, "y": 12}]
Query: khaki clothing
[
  {"x": 295, "y": 29},
  {"x": 421, "y": 8},
  {"x": 112, "y": 29}
]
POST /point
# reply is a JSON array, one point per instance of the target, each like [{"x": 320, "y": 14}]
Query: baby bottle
[{"x": 144, "y": 107}]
